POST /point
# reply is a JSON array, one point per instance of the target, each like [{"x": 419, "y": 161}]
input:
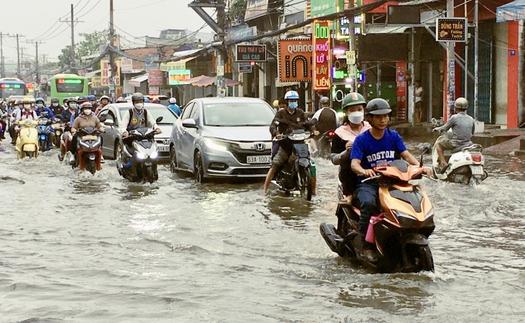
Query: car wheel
[
  {"x": 117, "y": 150},
  {"x": 198, "y": 168}
]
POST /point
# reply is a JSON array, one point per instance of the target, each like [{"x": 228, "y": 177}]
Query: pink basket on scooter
[{"x": 370, "y": 237}]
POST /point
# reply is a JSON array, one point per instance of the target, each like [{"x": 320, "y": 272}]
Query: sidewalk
[{"x": 494, "y": 140}]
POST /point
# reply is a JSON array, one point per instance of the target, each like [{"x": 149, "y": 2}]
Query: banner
[
  {"x": 105, "y": 72},
  {"x": 295, "y": 60},
  {"x": 322, "y": 54}
]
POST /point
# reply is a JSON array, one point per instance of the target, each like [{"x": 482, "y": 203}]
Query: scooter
[
  {"x": 296, "y": 173},
  {"x": 139, "y": 158},
  {"x": 400, "y": 232},
  {"x": 45, "y": 129},
  {"x": 465, "y": 164},
  {"x": 66, "y": 143},
  {"x": 324, "y": 145},
  {"x": 27, "y": 139},
  {"x": 58, "y": 127},
  {"x": 89, "y": 150}
]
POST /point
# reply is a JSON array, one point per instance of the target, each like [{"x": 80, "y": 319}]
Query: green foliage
[
  {"x": 237, "y": 9},
  {"x": 87, "y": 47}
]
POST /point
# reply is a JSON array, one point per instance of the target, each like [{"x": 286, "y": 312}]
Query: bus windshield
[{"x": 68, "y": 85}]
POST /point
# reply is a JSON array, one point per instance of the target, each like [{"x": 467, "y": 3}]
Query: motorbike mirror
[{"x": 426, "y": 149}]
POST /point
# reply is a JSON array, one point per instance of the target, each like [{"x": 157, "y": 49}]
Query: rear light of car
[{"x": 476, "y": 158}]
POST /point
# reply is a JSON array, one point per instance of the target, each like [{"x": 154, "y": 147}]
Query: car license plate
[
  {"x": 258, "y": 159},
  {"x": 163, "y": 148},
  {"x": 476, "y": 170}
]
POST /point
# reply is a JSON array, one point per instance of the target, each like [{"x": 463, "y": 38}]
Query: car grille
[{"x": 250, "y": 171}]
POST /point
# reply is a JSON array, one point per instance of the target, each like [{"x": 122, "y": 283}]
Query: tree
[
  {"x": 87, "y": 47},
  {"x": 237, "y": 11}
]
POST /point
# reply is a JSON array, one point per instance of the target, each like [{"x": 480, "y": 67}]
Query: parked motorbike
[
  {"x": 296, "y": 173},
  {"x": 400, "y": 232},
  {"x": 138, "y": 162},
  {"x": 324, "y": 145},
  {"x": 27, "y": 139},
  {"x": 89, "y": 150},
  {"x": 465, "y": 164},
  {"x": 45, "y": 129}
]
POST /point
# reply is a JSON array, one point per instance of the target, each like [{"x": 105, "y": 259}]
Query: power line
[{"x": 96, "y": 4}]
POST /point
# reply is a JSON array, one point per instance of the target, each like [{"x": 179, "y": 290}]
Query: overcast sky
[{"x": 40, "y": 20}]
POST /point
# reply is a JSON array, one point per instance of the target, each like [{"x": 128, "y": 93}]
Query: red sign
[
  {"x": 401, "y": 90},
  {"x": 322, "y": 53}
]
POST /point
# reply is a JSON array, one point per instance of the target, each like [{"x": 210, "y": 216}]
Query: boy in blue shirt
[{"x": 372, "y": 148}]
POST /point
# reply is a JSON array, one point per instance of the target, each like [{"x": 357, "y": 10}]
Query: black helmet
[
  {"x": 54, "y": 100},
  {"x": 353, "y": 98},
  {"x": 378, "y": 106},
  {"x": 81, "y": 99},
  {"x": 137, "y": 97}
]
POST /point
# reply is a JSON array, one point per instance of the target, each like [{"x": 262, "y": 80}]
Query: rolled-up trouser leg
[{"x": 367, "y": 194}]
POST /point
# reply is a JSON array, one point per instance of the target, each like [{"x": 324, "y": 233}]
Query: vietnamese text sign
[
  {"x": 295, "y": 60},
  {"x": 177, "y": 77},
  {"x": 451, "y": 29},
  {"x": 255, "y": 8},
  {"x": 322, "y": 53},
  {"x": 155, "y": 76},
  {"x": 105, "y": 72},
  {"x": 126, "y": 65},
  {"x": 247, "y": 53}
]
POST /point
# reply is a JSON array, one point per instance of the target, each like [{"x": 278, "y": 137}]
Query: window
[{"x": 187, "y": 110}]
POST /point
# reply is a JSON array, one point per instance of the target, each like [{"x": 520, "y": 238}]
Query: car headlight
[{"x": 216, "y": 144}]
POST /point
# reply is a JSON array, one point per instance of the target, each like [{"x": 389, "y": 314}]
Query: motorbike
[
  {"x": 89, "y": 150},
  {"x": 139, "y": 157},
  {"x": 465, "y": 164},
  {"x": 45, "y": 129},
  {"x": 324, "y": 144},
  {"x": 27, "y": 139},
  {"x": 400, "y": 231},
  {"x": 296, "y": 173},
  {"x": 59, "y": 128}
]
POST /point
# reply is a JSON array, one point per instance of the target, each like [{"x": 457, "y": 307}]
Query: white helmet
[
  {"x": 173, "y": 100},
  {"x": 461, "y": 103}
]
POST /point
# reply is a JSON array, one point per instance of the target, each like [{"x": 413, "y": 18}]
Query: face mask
[
  {"x": 87, "y": 111},
  {"x": 27, "y": 107},
  {"x": 55, "y": 104},
  {"x": 356, "y": 117},
  {"x": 139, "y": 106},
  {"x": 72, "y": 106},
  {"x": 293, "y": 105},
  {"x": 40, "y": 105}
]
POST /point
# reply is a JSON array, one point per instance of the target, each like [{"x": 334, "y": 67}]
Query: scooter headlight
[
  {"x": 154, "y": 155},
  {"x": 140, "y": 155}
]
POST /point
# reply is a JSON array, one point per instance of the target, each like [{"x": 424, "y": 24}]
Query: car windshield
[
  {"x": 237, "y": 114},
  {"x": 157, "y": 111}
]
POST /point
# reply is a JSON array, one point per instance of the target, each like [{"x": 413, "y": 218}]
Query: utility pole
[
  {"x": 72, "y": 23},
  {"x": 112, "y": 64},
  {"x": 220, "y": 28},
  {"x": 2, "y": 69},
  {"x": 450, "y": 91},
  {"x": 37, "y": 66},
  {"x": 17, "y": 56}
]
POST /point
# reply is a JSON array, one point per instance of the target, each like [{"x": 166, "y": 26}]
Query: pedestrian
[{"x": 418, "y": 94}]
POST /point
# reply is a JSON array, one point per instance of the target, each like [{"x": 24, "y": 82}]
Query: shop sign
[
  {"x": 322, "y": 54},
  {"x": 295, "y": 60}
]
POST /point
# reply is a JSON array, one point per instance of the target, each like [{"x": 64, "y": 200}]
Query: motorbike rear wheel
[
  {"x": 43, "y": 145},
  {"x": 305, "y": 183}
]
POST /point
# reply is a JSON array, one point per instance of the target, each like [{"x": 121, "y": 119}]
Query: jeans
[{"x": 367, "y": 193}]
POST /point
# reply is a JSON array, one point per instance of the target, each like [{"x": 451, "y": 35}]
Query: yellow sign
[{"x": 104, "y": 72}]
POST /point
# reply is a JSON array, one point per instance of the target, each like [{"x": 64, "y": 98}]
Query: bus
[
  {"x": 12, "y": 86},
  {"x": 68, "y": 85}
]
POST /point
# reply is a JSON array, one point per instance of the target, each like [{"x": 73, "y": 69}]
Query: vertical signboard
[
  {"x": 295, "y": 60},
  {"x": 401, "y": 91},
  {"x": 322, "y": 53},
  {"x": 105, "y": 72}
]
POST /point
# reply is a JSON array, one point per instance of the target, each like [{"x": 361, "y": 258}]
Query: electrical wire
[{"x": 96, "y": 4}]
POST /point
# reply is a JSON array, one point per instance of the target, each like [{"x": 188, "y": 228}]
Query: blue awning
[{"x": 511, "y": 11}]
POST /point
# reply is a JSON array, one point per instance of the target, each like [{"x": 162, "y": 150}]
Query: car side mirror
[
  {"x": 189, "y": 123},
  {"x": 109, "y": 122},
  {"x": 102, "y": 118},
  {"x": 159, "y": 119}
]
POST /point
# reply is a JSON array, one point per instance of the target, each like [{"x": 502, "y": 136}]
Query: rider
[
  {"x": 462, "y": 126},
  {"x": 41, "y": 108},
  {"x": 104, "y": 100},
  {"x": 85, "y": 119},
  {"x": 375, "y": 147},
  {"x": 25, "y": 112},
  {"x": 285, "y": 120},
  {"x": 56, "y": 107},
  {"x": 174, "y": 107},
  {"x": 137, "y": 117},
  {"x": 326, "y": 121},
  {"x": 93, "y": 99},
  {"x": 354, "y": 106}
]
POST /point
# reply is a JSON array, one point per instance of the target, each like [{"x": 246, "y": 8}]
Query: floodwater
[{"x": 81, "y": 248}]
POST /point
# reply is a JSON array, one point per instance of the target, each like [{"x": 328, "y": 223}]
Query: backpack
[{"x": 131, "y": 114}]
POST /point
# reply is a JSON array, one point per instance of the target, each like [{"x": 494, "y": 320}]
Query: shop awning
[
  {"x": 135, "y": 82},
  {"x": 203, "y": 81},
  {"x": 381, "y": 29},
  {"x": 512, "y": 11},
  {"x": 91, "y": 74},
  {"x": 176, "y": 65}
]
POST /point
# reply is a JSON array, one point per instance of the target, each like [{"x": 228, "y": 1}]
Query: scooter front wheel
[{"x": 305, "y": 183}]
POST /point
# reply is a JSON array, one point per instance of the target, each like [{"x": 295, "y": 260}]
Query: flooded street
[{"x": 81, "y": 248}]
